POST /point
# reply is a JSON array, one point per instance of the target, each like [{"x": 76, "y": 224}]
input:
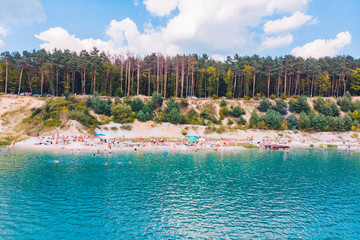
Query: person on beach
[{"x": 56, "y": 161}]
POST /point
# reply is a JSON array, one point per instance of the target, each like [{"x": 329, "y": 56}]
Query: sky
[{"x": 219, "y": 28}]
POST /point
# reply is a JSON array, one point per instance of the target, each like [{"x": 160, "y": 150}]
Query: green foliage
[
  {"x": 157, "y": 100},
  {"x": 141, "y": 116},
  {"x": 272, "y": 96},
  {"x": 237, "y": 111},
  {"x": 174, "y": 116},
  {"x": 355, "y": 80},
  {"x": 280, "y": 106},
  {"x": 83, "y": 117},
  {"x": 122, "y": 113},
  {"x": 300, "y": 105},
  {"x": 136, "y": 105},
  {"x": 223, "y": 103},
  {"x": 254, "y": 119},
  {"x": 230, "y": 122},
  {"x": 89, "y": 101},
  {"x": 283, "y": 96},
  {"x": 344, "y": 104},
  {"x": 241, "y": 121},
  {"x": 101, "y": 106},
  {"x": 272, "y": 119},
  {"x": 264, "y": 105},
  {"x": 224, "y": 112}
]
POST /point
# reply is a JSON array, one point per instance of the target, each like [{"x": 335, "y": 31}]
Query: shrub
[
  {"x": 237, "y": 111},
  {"x": 174, "y": 116},
  {"x": 345, "y": 104},
  {"x": 122, "y": 113},
  {"x": 272, "y": 96},
  {"x": 283, "y": 96},
  {"x": 247, "y": 98},
  {"x": 273, "y": 119},
  {"x": 220, "y": 130},
  {"x": 171, "y": 104},
  {"x": 264, "y": 105},
  {"x": 300, "y": 105},
  {"x": 254, "y": 119},
  {"x": 280, "y": 106},
  {"x": 126, "y": 127},
  {"x": 184, "y": 103},
  {"x": 224, "y": 112},
  {"x": 100, "y": 106},
  {"x": 83, "y": 117},
  {"x": 136, "y": 105},
  {"x": 257, "y": 96},
  {"x": 223, "y": 103},
  {"x": 157, "y": 100},
  {"x": 88, "y": 102},
  {"x": 141, "y": 116},
  {"x": 241, "y": 121},
  {"x": 184, "y": 132},
  {"x": 230, "y": 122}
]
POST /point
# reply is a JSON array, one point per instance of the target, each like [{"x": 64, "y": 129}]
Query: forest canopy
[{"x": 60, "y": 72}]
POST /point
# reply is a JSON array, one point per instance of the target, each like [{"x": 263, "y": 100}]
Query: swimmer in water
[
  {"x": 106, "y": 164},
  {"x": 119, "y": 162},
  {"x": 129, "y": 162},
  {"x": 56, "y": 161}
]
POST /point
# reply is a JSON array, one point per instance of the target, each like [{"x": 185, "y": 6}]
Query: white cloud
[
  {"x": 279, "y": 41},
  {"x": 322, "y": 47},
  {"x": 287, "y": 23},
  {"x": 3, "y": 31},
  {"x": 160, "y": 7},
  {"x": 21, "y": 11},
  {"x": 1, "y": 43},
  {"x": 217, "y": 27}
]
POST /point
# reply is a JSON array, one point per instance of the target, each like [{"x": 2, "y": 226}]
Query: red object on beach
[{"x": 141, "y": 139}]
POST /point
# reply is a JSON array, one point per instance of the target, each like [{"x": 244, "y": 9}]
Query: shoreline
[{"x": 98, "y": 146}]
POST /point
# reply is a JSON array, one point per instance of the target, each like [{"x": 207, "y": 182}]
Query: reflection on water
[{"x": 249, "y": 194}]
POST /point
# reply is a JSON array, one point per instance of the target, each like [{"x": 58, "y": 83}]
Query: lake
[{"x": 309, "y": 193}]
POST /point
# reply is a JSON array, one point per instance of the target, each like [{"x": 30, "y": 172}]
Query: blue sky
[{"x": 217, "y": 27}]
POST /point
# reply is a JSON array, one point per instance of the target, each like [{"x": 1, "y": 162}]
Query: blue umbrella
[{"x": 100, "y": 135}]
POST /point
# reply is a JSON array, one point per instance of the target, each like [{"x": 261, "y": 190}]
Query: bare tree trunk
[
  {"x": 57, "y": 82},
  {"x": 284, "y": 91},
  {"x": 182, "y": 76},
  {"x": 278, "y": 86},
  {"x": 312, "y": 86},
  {"x": 138, "y": 78},
  {"x": 268, "y": 86},
  {"x": 254, "y": 81},
  {"x": 6, "y": 76},
  {"x": 149, "y": 82},
  {"x": 234, "y": 86},
  {"x": 21, "y": 73},
  {"x": 192, "y": 83},
  {"x": 94, "y": 80},
  {"x": 121, "y": 76},
  {"x": 126, "y": 77},
  {"x": 84, "y": 82},
  {"x": 42, "y": 82},
  {"x": 158, "y": 74},
  {"x": 165, "y": 76},
  {"x": 177, "y": 78},
  {"x": 129, "y": 78}
]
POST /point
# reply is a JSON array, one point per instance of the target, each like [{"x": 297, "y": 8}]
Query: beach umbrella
[
  {"x": 196, "y": 137},
  {"x": 128, "y": 141},
  {"x": 141, "y": 139},
  {"x": 100, "y": 135}
]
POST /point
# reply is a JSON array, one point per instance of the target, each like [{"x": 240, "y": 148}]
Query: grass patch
[
  {"x": 331, "y": 146},
  {"x": 126, "y": 127},
  {"x": 113, "y": 128}
]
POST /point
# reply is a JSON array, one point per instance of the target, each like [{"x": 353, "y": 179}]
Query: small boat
[{"x": 275, "y": 146}]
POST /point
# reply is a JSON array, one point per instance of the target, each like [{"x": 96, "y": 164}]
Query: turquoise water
[{"x": 311, "y": 194}]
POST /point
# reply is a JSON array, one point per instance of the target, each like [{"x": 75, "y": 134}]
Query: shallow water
[{"x": 251, "y": 194}]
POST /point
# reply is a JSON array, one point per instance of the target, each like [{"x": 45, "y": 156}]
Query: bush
[
  {"x": 230, "y": 122},
  {"x": 89, "y": 102},
  {"x": 237, "y": 111},
  {"x": 283, "y": 96},
  {"x": 300, "y": 105},
  {"x": 126, "y": 127},
  {"x": 345, "y": 104},
  {"x": 141, "y": 116},
  {"x": 264, "y": 105},
  {"x": 254, "y": 119},
  {"x": 273, "y": 119},
  {"x": 224, "y": 112},
  {"x": 174, "y": 116},
  {"x": 136, "y": 105},
  {"x": 280, "y": 106},
  {"x": 101, "y": 107},
  {"x": 272, "y": 96},
  {"x": 171, "y": 104},
  {"x": 83, "y": 117},
  {"x": 184, "y": 103},
  {"x": 241, "y": 121},
  {"x": 223, "y": 103},
  {"x": 122, "y": 113},
  {"x": 220, "y": 130},
  {"x": 157, "y": 100}
]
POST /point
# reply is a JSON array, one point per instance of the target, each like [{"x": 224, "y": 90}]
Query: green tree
[
  {"x": 229, "y": 76},
  {"x": 355, "y": 80},
  {"x": 122, "y": 113}
]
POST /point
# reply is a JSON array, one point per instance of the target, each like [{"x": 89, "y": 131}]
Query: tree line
[{"x": 59, "y": 72}]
